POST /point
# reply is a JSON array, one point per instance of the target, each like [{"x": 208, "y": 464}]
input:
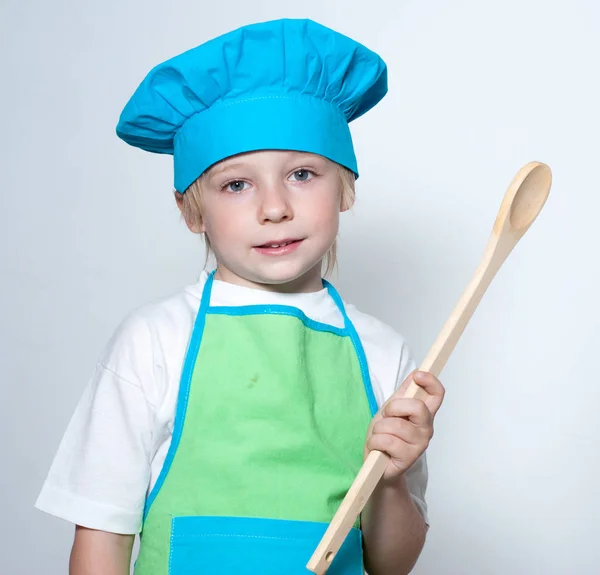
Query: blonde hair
[{"x": 191, "y": 206}]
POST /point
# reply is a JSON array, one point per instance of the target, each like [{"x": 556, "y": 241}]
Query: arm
[
  {"x": 100, "y": 553},
  {"x": 393, "y": 527}
]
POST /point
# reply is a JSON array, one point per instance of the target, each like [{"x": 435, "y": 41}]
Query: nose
[{"x": 275, "y": 204}]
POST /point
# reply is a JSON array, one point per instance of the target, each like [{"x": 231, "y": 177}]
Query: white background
[{"x": 89, "y": 230}]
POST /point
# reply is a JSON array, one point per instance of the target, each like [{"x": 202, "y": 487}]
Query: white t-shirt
[{"x": 118, "y": 438}]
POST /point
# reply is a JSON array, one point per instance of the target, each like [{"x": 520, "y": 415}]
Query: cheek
[
  {"x": 325, "y": 212},
  {"x": 224, "y": 224}
]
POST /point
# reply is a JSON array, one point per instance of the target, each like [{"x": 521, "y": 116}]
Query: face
[{"x": 271, "y": 216}]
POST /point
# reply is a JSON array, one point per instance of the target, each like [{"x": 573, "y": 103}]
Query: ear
[{"x": 194, "y": 224}]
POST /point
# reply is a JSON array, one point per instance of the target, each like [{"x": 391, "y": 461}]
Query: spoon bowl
[
  {"x": 524, "y": 200},
  {"x": 531, "y": 196}
]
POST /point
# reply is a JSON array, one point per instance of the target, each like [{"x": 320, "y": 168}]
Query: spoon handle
[
  {"x": 437, "y": 357},
  {"x": 502, "y": 240}
]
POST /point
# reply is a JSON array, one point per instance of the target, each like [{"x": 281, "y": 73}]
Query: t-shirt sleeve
[{"x": 100, "y": 474}]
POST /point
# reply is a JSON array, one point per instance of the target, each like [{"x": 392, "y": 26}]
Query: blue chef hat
[{"x": 284, "y": 84}]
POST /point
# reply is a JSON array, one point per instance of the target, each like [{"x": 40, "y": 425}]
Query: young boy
[{"x": 227, "y": 422}]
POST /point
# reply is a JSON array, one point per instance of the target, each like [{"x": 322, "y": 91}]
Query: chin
[
  {"x": 283, "y": 273},
  {"x": 278, "y": 278}
]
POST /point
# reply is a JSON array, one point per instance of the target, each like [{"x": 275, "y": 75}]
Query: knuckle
[
  {"x": 394, "y": 407},
  {"x": 388, "y": 442},
  {"x": 378, "y": 427}
]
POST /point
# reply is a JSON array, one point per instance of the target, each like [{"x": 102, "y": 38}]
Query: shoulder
[
  {"x": 153, "y": 323},
  {"x": 385, "y": 339},
  {"x": 388, "y": 354},
  {"x": 370, "y": 326},
  {"x": 147, "y": 347}
]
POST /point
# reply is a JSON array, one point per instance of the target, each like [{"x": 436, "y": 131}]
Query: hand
[{"x": 403, "y": 427}]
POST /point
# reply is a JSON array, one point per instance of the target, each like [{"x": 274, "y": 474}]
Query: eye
[
  {"x": 235, "y": 187},
  {"x": 303, "y": 175}
]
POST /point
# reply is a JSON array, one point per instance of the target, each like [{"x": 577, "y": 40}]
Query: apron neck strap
[
  {"x": 338, "y": 301},
  {"x": 206, "y": 291}
]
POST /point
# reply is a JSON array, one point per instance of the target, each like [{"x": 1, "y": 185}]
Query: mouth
[{"x": 279, "y": 247}]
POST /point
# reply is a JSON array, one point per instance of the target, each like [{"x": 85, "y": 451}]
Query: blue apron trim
[
  {"x": 278, "y": 310},
  {"x": 184, "y": 390},
  {"x": 248, "y": 546},
  {"x": 360, "y": 352}
]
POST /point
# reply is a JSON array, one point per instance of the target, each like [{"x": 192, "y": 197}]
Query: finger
[
  {"x": 414, "y": 410},
  {"x": 404, "y": 430},
  {"x": 430, "y": 384},
  {"x": 404, "y": 386},
  {"x": 395, "y": 448}
]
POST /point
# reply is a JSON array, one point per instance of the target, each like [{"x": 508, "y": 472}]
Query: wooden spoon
[{"x": 522, "y": 202}]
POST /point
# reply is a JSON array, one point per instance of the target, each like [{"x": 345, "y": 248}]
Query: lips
[
  {"x": 279, "y": 244},
  {"x": 278, "y": 247}
]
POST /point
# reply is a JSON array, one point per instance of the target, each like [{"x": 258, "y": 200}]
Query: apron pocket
[{"x": 249, "y": 546}]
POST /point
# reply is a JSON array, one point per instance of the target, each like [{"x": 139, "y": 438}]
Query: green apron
[{"x": 269, "y": 432}]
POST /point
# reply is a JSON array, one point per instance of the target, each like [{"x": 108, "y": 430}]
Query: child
[{"x": 227, "y": 422}]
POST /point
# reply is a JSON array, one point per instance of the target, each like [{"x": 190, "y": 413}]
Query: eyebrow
[
  {"x": 309, "y": 157},
  {"x": 219, "y": 169}
]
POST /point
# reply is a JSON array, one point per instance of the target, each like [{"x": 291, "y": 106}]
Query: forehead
[{"x": 262, "y": 158}]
